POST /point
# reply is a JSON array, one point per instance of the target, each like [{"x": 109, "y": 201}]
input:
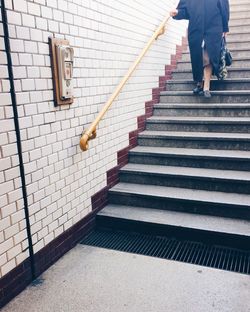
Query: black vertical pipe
[{"x": 18, "y": 136}]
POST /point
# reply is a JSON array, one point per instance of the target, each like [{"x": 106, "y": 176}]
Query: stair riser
[
  {"x": 148, "y": 201},
  {"x": 135, "y": 226},
  {"x": 237, "y": 21},
  {"x": 236, "y": 3},
  {"x": 243, "y": 64},
  {"x": 238, "y": 29},
  {"x": 240, "y": 7},
  {"x": 202, "y": 112},
  {"x": 231, "y": 74},
  {"x": 215, "y": 85},
  {"x": 234, "y": 45},
  {"x": 235, "y": 54},
  {"x": 240, "y": 15},
  {"x": 198, "y": 183},
  {"x": 201, "y": 99},
  {"x": 191, "y": 127},
  {"x": 238, "y": 36},
  {"x": 189, "y": 161},
  {"x": 195, "y": 143}
]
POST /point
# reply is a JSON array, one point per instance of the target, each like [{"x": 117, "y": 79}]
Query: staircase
[{"x": 189, "y": 176}]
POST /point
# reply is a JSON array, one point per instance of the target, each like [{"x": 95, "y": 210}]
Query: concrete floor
[{"x": 98, "y": 280}]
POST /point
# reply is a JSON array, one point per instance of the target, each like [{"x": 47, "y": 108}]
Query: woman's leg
[
  {"x": 196, "y": 61},
  {"x": 207, "y": 77},
  {"x": 208, "y": 70}
]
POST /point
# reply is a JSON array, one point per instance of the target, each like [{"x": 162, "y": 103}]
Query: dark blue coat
[{"x": 208, "y": 19}]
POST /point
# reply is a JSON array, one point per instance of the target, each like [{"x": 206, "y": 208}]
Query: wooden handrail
[{"x": 90, "y": 133}]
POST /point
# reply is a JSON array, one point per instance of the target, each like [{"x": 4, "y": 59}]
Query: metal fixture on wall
[{"x": 62, "y": 56}]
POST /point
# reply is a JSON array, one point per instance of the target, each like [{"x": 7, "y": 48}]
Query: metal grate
[{"x": 219, "y": 257}]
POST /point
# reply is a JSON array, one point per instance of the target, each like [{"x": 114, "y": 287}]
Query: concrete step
[
  {"x": 237, "y": 3},
  {"x": 228, "y": 84},
  {"x": 239, "y": 29},
  {"x": 232, "y": 73},
  {"x": 222, "y": 231},
  {"x": 240, "y": 7},
  {"x": 242, "y": 41},
  {"x": 181, "y": 199},
  {"x": 244, "y": 53},
  {"x": 233, "y": 96},
  {"x": 238, "y": 21},
  {"x": 229, "y": 181},
  {"x": 235, "y": 44},
  {"x": 244, "y": 15},
  {"x": 207, "y": 140},
  {"x": 236, "y": 35},
  {"x": 199, "y": 124},
  {"x": 237, "y": 63},
  {"x": 208, "y": 110},
  {"x": 190, "y": 157}
]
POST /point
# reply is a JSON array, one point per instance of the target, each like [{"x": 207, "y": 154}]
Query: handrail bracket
[
  {"x": 161, "y": 32},
  {"x": 87, "y": 136}
]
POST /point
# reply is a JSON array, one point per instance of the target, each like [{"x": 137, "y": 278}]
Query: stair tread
[
  {"x": 199, "y": 119},
  {"x": 215, "y": 92},
  {"x": 228, "y": 80},
  {"x": 192, "y": 152},
  {"x": 189, "y": 70},
  {"x": 182, "y": 194},
  {"x": 201, "y": 105},
  {"x": 232, "y": 50},
  {"x": 181, "y": 61},
  {"x": 199, "y": 135},
  {"x": 189, "y": 171},
  {"x": 180, "y": 219}
]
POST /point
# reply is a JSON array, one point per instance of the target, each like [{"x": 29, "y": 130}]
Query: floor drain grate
[{"x": 172, "y": 249}]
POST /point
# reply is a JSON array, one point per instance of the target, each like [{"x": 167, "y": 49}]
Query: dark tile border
[
  {"x": 14, "y": 282},
  {"x": 20, "y": 277}
]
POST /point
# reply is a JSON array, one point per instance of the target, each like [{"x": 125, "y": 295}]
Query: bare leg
[{"x": 207, "y": 76}]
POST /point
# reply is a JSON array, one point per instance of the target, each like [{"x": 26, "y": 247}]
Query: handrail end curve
[
  {"x": 84, "y": 142},
  {"x": 86, "y": 136}
]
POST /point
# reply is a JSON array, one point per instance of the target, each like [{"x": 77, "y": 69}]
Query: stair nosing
[
  {"x": 229, "y": 69},
  {"x": 228, "y": 80},
  {"x": 195, "y": 153},
  {"x": 196, "y": 135},
  {"x": 234, "y": 59},
  {"x": 206, "y": 226},
  {"x": 189, "y": 195},
  {"x": 199, "y": 173},
  {"x": 201, "y": 105},
  {"x": 165, "y": 150},
  {"x": 213, "y": 92},
  {"x": 198, "y": 120}
]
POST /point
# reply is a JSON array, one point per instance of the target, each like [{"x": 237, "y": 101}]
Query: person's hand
[
  {"x": 225, "y": 34},
  {"x": 173, "y": 12}
]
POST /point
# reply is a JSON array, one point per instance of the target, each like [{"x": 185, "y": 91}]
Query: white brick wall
[
  {"x": 12, "y": 237},
  {"x": 107, "y": 36}
]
